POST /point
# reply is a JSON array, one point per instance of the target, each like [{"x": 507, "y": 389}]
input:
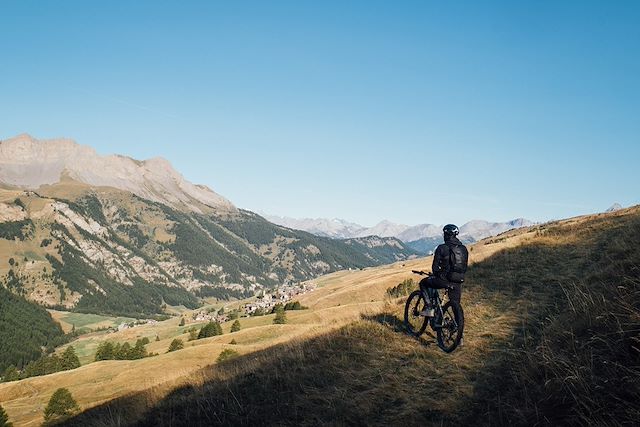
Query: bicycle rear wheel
[
  {"x": 450, "y": 329},
  {"x": 415, "y": 323}
]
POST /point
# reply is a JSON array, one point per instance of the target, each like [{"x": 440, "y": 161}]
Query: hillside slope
[
  {"x": 103, "y": 250},
  {"x": 552, "y": 338}
]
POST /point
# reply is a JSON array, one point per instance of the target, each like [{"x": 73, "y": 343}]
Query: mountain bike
[{"x": 447, "y": 319}]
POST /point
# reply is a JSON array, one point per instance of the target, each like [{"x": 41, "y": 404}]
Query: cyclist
[{"x": 449, "y": 266}]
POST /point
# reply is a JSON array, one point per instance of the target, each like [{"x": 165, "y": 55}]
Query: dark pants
[{"x": 455, "y": 291}]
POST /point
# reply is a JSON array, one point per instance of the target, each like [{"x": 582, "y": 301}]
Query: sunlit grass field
[{"x": 551, "y": 319}]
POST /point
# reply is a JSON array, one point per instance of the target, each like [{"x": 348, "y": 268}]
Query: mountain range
[
  {"x": 422, "y": 237},
  {"x": 115, "y": 235}
]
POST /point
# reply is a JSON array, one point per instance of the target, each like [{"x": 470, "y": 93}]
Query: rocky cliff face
[{"x": 26, "y": 162}]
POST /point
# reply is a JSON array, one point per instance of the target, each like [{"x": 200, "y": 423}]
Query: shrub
[
  {"x": 281, "y": 316},
  {"x": 61, "y": 405},
  {"x": 227, "y": 354},
  {"x": 193, "y": 334},
  {"x": 402, "y": 289},
  {"x": 294, "y": 305},
  {"x": 176, "y": 344}
]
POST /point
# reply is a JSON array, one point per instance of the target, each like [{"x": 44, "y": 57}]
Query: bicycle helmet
[{"x": 450, "y": 230}]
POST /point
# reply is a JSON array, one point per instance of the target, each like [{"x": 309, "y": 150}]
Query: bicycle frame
[{"x": 436, "y": 302}]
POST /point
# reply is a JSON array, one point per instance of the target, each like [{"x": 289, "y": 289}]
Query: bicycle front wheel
[
  {"x": 415, "y": 323},
  {"x": 450, "y": 329}
]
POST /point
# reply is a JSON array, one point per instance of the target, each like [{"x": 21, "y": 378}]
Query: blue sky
[{"x": 409, "y": 111}]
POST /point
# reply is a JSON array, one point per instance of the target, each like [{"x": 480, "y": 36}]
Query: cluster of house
[
  {"x": 281, "y": 295},
  {"x": 123, "y": 326},
  {"x": 202, "y": 316}
]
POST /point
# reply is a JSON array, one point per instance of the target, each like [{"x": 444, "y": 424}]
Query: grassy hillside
[
  {"x": 552, "y": 321},
  {"x": 105, "y": 251}
]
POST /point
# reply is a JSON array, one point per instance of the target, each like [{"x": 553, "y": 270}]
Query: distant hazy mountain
[
  {"x": 422, "y": 237},
  {"x": 614, "y": 207},
  {"x": 334, "y": 228},
  {"x": 479, "y": 229},
  {"x": 383, "y": 229}
]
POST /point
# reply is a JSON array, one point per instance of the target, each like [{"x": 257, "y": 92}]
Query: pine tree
[
  {"x": 61, "y": 405},
  {"x": 210, "y": 329},
  {"x": 235, "y": 327},
  {"x": 193, "y": 334},
  {"x": 181, "y": 321},
  {"x": 104, "y": 351},
  {"x": 4, "y": 418},
  {"x": 69, "y": 359},
  {"x": 176, "y": 344},
  {"x": 281, "y": 316},
  {"x": 138, "y": 351},
  {"x": 10, "y": 374},
  {"x": 125, "y": 352}
]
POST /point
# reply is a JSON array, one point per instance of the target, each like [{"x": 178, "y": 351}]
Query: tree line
[{"x": 44, "y": 365}]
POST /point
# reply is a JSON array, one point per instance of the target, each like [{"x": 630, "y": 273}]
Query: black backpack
[{"x": 458, "y": 258}]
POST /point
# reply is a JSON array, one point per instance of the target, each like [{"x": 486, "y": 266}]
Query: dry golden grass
[{"x": 328, "y": 367}]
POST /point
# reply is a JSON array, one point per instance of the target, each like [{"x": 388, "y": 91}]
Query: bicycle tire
[
  {"x": 452, "y": 326},
  {"x": 414, "y": 305}
]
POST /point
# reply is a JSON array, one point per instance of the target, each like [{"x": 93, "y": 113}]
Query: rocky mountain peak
[{"x": 29, "y": 163}]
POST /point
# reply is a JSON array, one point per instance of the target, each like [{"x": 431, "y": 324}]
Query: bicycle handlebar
[{"x": 422, "y": 273}]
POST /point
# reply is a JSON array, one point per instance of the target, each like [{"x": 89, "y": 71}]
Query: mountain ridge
[
  {"x": 29, "y": 163},
  {"x": 337, "y": 228}
]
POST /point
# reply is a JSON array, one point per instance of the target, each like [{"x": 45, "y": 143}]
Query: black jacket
[{"x": 442, "y": 263}]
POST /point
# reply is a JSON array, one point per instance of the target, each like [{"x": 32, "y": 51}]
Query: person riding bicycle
[{"x": 449, "y": 266}]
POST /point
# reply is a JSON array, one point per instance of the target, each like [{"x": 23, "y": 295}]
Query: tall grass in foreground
[{"x": 579, "y": 362}]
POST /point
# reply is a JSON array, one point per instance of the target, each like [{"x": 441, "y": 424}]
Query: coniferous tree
[
  {"x": 4, "y": 418},
  {"x": 10, "y": 374},
  {"x": 176, "y": 344},
  {"x": 104, "y": 351},
  {"x": 61, "y": 405},
  {"x": 235, "y": 327},
  {"x": 193, "y": 334},
  {"x": 181, "y": 321},
  {"x": 69, "y": 359},
  {"x": 210, "y": 329},
  {"x": 123, "y": 352},
  {"x": 281, "y": 316},
  {"x": 138, "y": 351}
]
